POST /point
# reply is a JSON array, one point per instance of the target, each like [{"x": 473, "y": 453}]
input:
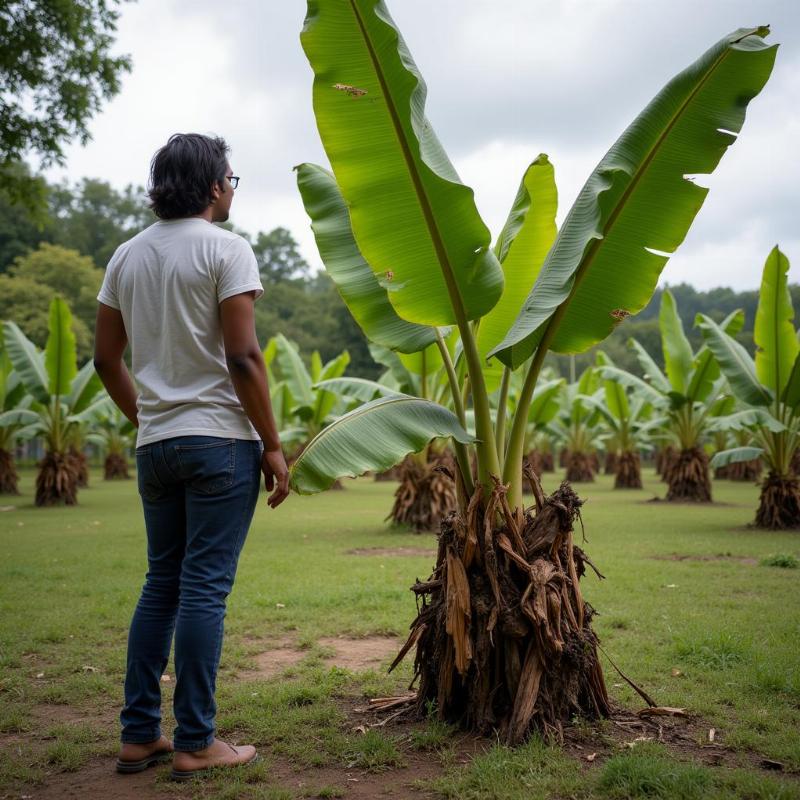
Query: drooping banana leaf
[
  {"x": 706, "y": 371},
  {"x": 374, "y": 436},
  {"x": 325, "y": 401},
  {"x": 735, "y": 362},
  {"x": 776, "y": 343},
  {"x": 644, "y": 389},
  {"x": 616, "y": 397},
  {"x": 637, "y": 205},
  {"x": 84, "y": 388},
  {"x": 356, "y": 388},
  {"x": 293, "y": 371},
  {"x": 747, "y": 419},
  {"x": 649, "y": 367},
  {"x": 735, "y": 455},
  {"x": 414, "y": 222},
  {"x": 28, "y": 362},
  {"x": 357, "y": 285}
]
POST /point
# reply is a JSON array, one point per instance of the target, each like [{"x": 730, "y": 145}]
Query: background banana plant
[
  {"x": 769, "y": 388},
  {"x": 14, "y": 416},
  {"x": 59, "y": 393},
  {"x": 113, "y": 433},
  {"x": 686, "y": 394}
]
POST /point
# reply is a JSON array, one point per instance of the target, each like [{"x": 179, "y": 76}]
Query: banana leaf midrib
[
  {"x": 635, "y": 179},
  {"x": 427, "y": 211}
]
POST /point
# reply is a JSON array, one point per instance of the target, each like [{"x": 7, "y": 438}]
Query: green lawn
[{"x": 688, "y": 610}]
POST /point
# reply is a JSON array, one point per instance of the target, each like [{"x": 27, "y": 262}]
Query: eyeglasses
[{"x": 234, "y": 179}]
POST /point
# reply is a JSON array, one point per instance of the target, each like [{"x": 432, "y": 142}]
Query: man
[{"x": 182, "y": 293}]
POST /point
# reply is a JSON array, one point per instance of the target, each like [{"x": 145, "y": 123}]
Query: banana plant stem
[
  {"x": 500, "y": 427},
  {"x": 462, "y": 455}
]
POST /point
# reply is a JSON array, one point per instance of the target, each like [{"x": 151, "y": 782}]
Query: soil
[{"x": 392, "y": 551}]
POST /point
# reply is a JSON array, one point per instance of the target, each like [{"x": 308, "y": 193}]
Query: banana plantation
[{"x": 492, "y": 451}]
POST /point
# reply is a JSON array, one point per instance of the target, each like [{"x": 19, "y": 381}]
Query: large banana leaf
[
  {"x": 414, "y": 222},
  {"x": 735, "y": 362},
  {"x": 677, "y": 351},
  {"x": 638, "y": 204},
  {"x": 359, "y": 288},
  {"x": 747, "y": 419},
  {"x": 18, "y": 416},
  {"x": 640, "y": 387},
  {"x": 791, "y": 394},
  {"x": 521, "y": 248},
  {"x": 544, "y": 403},
  {"x": 374, "y": 436},
  {"x": 59, "y": 353},
  {"x": 28, "y": 362},
  {"x": 775, "y": 338},
  {"x": 616, "y": 397}
]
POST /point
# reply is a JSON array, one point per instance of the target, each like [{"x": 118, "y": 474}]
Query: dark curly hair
[{"x": 182, "y": 173}]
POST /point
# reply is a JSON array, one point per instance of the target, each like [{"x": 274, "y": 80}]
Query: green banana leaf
[
  {"x": 414, "y": 222},
  {"x": 653, "y": 396},
  {"x": 521, "y": 249},
  {"x": 616, "y": 397},
  {"x": 736, "y": 454},
  {"x": 315, "y": 366},
  {"x": 59, "y": 353},
  {"x": 18, "y": 416},
  {"x": 774, "y": 334},
  {"x": 649, "y": 367},
  {"x": 735, "y": 362},
  {"x": 28, "y": 362},
  {"x": 325, "y": 401},
  {"x": 357, "y": 285},
  {"x": 706, "y": 371},
  {"x": 638, "y": 204},
  {"x": 405, "y": 381},
  {"x": 374, "y": 436},
  {"x": 791, "y": 394},
  {"x": 678, "y": 357},
  {"x": 747, "y": 419},
  {"x": 545, "y": 404},
  {"x": 293, "y": 371},
  {"x": 84, "y": 388},
  {"x": 356, "y": 388}
]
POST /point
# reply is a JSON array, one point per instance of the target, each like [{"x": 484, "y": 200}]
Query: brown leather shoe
[
  {"x": 138, "y": 757},
  {"x": 187, "y": 765}
]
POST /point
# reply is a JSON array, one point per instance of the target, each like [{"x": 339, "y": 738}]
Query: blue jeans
[{"x": 199, "y": 494}]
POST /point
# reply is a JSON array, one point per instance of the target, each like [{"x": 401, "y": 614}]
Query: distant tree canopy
[{"x": 55, "y": 71}]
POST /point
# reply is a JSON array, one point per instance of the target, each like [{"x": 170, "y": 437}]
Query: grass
[{"x": 686, "y": 610}]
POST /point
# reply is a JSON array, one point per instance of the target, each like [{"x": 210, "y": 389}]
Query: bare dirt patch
[
  {"x": 392, "y": 551},
  {"x": 684, "y": 557},
  {"x": 358, "y": 655},
  {"x": 274, "y": 660}
]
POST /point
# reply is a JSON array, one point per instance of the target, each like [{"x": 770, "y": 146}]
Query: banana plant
[
  {"x": 686, "y": 394},
  {"x": 631, "y": 423},
  {"x": 59, "y": 393},
  {"x": 394, "y": 216},
  {"x": 769, "y": 388},
  {"x": 114, "y": 433},
  {"x": 297, "y": 398},
  {"x": 14, "y": 416}
]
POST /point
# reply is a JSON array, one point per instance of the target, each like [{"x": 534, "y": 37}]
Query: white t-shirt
[{"x": 168, "y": 282}]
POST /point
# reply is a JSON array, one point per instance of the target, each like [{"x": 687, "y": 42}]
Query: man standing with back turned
[{"x": 182, "y": 293}]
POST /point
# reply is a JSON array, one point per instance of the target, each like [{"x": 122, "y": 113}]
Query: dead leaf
[
  {"x": 663, "y": 711},
  {"x": 280, "y": 605},
  {"x": 40, "y": 674},
  {"x": 712, "y": 732},
  {"x": 165, "y": 678},
  {"x": 671, "y": 586},
  {"x": 7, "y": 508},
  {"x": 591, "y": 757},
  {"x": 359, "y": 729},
  {"x": 675, "y": 672},
  {"x": 89, "y": 668},
  {"x": 768, "y": 763}
]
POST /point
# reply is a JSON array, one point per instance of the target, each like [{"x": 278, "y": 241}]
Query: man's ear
[{"x": 216, "y": 190}]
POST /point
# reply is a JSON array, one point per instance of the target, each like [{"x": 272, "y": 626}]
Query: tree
[
  {"x": 28, "y": 287},
  {"x": 278, "y": 257},
  {"x": 94, "y": 218},
  {"x": 503, "y": 638},
  {"x": 55, "y": 71},
  {"x": 20, "y": 229}
]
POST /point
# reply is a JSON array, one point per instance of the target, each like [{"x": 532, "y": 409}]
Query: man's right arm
[{"x": 249, "y": 377}]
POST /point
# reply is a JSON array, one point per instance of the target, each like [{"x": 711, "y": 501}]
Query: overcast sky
[{"x": 507, "y": 80}]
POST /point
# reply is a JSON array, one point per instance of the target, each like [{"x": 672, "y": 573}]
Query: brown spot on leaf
[
  {"x": 620, "y": 314},
  {"x": 351, "y": 90},
  {"x": 389, "y": 275}
]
